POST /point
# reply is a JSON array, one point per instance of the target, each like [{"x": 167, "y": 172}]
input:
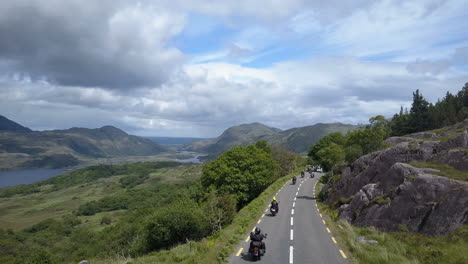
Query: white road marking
[
  {"x": 238, "y": 252},
  {"x": 334, "y": 241},
  {"x": 292, "y": 220},
  {"x": 341, "y": 252},
  {"x": 291, "y": 236},
  {"x": 292, "y": 211},
  {"x": 295, "y": 198},
  {"x": 290, "y": 254},
  {"x": 247, "y": 239},
  {"x": 328, "y": 230},
  {"x": 294, "y": 204},
  {"x": 297, "y": 193}
]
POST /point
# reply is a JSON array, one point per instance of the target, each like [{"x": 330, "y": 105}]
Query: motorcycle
[
  {"x": 293, "y": 181},
  {"x": 312, "y": 175},
  {"x": 302, "y": 174},
  {"x": 273, "y": 210},
  {"x": 256, "y": 250}
]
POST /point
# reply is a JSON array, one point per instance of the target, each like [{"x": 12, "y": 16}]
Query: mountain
[
  {"x": 296, "y": 139},
  {"x": 6, "y": 125},
  {"x": 300, "y": 139},
  {"x": 62, "y": 148},
  {"x": 239, "y": 135}
]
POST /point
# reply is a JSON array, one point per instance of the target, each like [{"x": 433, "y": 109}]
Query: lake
[{"x": 27, "y": 176}]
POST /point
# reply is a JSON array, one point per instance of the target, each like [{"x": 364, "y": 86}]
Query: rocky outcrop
[
  {"x": 416, "y": 201},
  {"x": 397, "y": 140},
  {"x": 387, "y": 193},
  {"x": 423, "y": 135},
  {"x": 457, "y": 158}
]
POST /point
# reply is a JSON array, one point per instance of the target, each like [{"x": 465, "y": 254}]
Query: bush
[
  {"x": 178, "y": 222},
  {"x": 106, "y": 220}
]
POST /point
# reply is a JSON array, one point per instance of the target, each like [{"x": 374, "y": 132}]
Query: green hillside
[{"x": 61, "y": 148}]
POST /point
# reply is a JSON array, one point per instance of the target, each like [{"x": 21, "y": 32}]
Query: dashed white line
[
  {"x": 290, "y": 254},
  {"x": 292, "y": 220},
  {"x": 292, "y": 211},
  {"x": 291, "y": 235},
  {"x": 295, "y": 198},
  {"x": 328, "y": 230},
  {"x": 294, "y": 204},
  {"x": 297, "y": 193}
]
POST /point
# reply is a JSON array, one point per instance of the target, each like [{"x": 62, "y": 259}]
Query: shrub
[
  {"x": 178, "y": 222},
  {"x": 106, "y": 220}
]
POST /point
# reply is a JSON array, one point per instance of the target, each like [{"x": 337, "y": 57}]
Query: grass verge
[
  {"x": 445, "y": 170},
  {"x": 396, "y": 247},
  {"x": 216, "y": 248}
]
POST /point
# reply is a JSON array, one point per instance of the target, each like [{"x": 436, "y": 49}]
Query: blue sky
[{"x": 194, "y": 68}]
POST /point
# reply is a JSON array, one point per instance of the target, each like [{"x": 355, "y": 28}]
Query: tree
[
  {"x": 330, "y": 156},
  {"x": 242, "y": 171},
  {"x": 419, "y": 113},
  {"x": 335, "y": 137},
  {"x": 286, "y": 159}
]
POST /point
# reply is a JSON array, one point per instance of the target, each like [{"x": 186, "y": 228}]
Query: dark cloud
[{"x": 87, "y": 43}]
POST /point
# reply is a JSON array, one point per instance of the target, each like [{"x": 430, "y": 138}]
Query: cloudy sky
[{"x": 194, "y": 68}]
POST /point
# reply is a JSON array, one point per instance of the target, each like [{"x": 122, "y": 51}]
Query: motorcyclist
[
  {"x": 257, "y": 236},
  {"x": 294, "y": 179},
  {"x": 275, "y": 203},
  {"x": 302, "y": 174}
]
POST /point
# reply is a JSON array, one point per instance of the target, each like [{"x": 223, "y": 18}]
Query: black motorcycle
[
  {"x": 257, "y": 250},
  {"x": 274, "y": 209}
]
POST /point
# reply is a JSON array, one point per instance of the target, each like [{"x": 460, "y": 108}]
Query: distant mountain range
[
  {"x": 22, "y": 147},
  {"x": 295, "y": 139}
]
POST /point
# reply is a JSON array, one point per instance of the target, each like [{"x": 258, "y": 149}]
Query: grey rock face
[
  {"x": 396, "y": 140},
  {"x": 423, "y": 135},
  {"x": 391, "y": 195},
  {"x": 456, "y": 142},
  {"x": 457, "y": 158}
]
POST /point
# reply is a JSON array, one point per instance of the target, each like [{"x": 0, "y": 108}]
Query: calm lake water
[
  {"x": 192, "y": 160},
  {"x": 27, "y": 176}
]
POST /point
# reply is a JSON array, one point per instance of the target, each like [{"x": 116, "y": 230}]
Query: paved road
[{"x": 297, "y": 234}]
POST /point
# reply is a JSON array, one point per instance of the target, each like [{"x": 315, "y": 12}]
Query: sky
[{"x": 194, "y": 68}]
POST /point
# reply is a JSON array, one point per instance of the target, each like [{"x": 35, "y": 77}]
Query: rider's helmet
[
  {"x": 257, "y": 231},
  {"x": 274, "y": 198}
]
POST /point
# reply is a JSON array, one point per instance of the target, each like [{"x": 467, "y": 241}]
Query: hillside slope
[
  {"x": 6, "y": 125},
  {"x": 296, "y": 139},
  {"x": 61, "y": 148},
  {"x": 300, "y": 139}
]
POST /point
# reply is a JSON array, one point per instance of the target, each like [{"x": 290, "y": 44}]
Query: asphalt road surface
[{"x": 297, "y": 234}]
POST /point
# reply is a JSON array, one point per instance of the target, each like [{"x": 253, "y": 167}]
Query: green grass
[
  {"x": 218, "y": 247},
  {"x": 22, "y": 211},
  {"x": 397, "y": 247},
  {"x": 445, "y": 170}
]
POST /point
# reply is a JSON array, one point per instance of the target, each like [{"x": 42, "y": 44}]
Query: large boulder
[
  {"x": 372, "y": 168},
  {"x": 457, "y": 158},
  {"x": 413, "y": 200},
  {"x": 459, "y": 141}
]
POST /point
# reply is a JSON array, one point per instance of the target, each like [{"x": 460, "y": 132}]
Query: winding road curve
[{"x": 297, "y": 234}]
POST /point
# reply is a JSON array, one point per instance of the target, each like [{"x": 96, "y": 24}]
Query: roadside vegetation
[{"x": 395, "y": 247}]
